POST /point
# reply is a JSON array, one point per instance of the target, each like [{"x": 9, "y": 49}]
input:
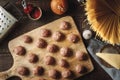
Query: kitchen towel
[{"x": 94, "y": 47}]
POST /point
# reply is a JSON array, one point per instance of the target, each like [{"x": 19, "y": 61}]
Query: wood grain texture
[{"x": 42, "y": 53}]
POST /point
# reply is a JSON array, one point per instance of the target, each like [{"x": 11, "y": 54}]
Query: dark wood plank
[{"x": 6, "y": 62}]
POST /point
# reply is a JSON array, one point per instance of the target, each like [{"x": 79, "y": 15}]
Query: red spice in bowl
[{"x": 35, "y": 14}]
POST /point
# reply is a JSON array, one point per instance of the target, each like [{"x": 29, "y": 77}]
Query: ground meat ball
[
  {"x": 32, "y": 58},
  {"x": 49, "y": 60},
  {"x": 73, "y": 38},
  {"x": 65, "y": 25},
  {"x": 38, "y": 70},
  {"x": 23, "y": 71},
  {"x": 66, "y": 52},
  {"x": 81, "y": 55},
  {"x": 27, "y": 39},
  {"x": 52, "y": 48},
  {"x": 67, "y": 74},
  {"x": 45, "y": 32},
  {"x": 58, "y": 36},
  {"x": 41, "y": 43},
  {"x": 81, "y": 69},
  {"x": 54, "y": 74},
  {"x": 19, "y": 50},
  {"x": 63, "y": 63}
]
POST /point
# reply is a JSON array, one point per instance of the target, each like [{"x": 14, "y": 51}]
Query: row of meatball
[{"x": 52, "y": 73}]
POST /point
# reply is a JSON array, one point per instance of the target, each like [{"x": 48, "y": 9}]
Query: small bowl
[{"x": 30, "y": 15}]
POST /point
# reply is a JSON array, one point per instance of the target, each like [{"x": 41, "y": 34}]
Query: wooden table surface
[{"x": 25, "y": 25}]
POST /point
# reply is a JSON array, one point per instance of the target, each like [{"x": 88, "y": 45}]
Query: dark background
[{"x": 25, "y": 24}]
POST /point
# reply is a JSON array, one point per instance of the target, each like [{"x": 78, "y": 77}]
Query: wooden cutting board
[{"x": 42, "y": 52}]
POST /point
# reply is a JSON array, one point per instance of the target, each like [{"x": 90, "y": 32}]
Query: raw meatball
[
  {"x": 41, "y": 43},
  {"x": 81, "y": 69},
  {"x": 27, "y": 39},
  {"x": 63, "y": 63},
  {"x": 32, "y": 58},
  {"x": 67, "y": 74},
  {"x": 54, "y": 74},
  {"x": 65, "y": 25},
  {"x": 45, "y": 32},
  {"x": 66, "y": 52},
  {"x": 49, "y": 60},
  {"x": 19, "y": 50},
  {"x": 38, "y": 70},
  {"x": 73, "y": 38},
  {"x": 52, "y": 48},
  {"x": 23, "y": 71},
  {"x": 58, "y": 36},
  {"x": 81, "y": 55}
]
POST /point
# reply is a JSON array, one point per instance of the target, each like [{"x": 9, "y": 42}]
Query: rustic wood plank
[{"x": 6, "y": 62}]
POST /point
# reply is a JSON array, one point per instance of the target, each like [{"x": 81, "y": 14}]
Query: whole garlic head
[{"x": 87, "y": 34}]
